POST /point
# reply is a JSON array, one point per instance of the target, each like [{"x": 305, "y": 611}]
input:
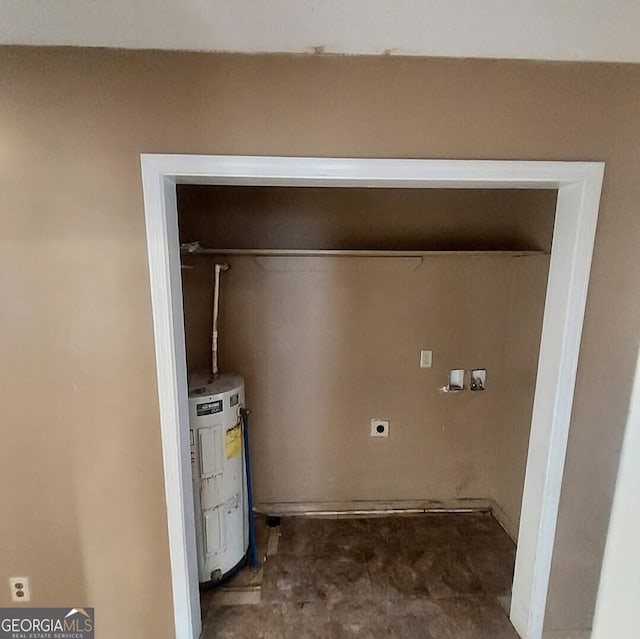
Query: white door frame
[{"x": 579, "y": 185}]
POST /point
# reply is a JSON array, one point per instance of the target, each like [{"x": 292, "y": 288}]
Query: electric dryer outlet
[{"x": 379, "y": 428}]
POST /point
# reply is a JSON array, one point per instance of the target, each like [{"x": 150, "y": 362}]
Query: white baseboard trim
[
  {"x": 372, "y": 507},
  {"x": 566, "y": 634}
]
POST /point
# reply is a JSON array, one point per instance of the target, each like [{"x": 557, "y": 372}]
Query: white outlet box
[
  {"x": 426, "y": 359},
  {"x": 20, "y": 589},
  {"x": 379, "y": 428}
]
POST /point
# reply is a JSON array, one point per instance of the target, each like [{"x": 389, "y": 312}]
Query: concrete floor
[{"x": 429, "y": 576}]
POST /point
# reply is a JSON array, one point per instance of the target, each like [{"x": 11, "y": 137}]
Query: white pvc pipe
[{"x": 216, "y": 305}]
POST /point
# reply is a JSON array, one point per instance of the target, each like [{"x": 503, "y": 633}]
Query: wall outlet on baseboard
[{"x": 20, "y": 589}]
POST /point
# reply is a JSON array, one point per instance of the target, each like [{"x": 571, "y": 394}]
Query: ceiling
[{"x": 595, "y": 30}]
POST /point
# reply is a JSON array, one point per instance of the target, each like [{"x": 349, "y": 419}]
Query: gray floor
[{"x": 430, "y": 576}]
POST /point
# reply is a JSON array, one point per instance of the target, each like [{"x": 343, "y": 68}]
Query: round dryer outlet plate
[{"x": 379, "y": 428}]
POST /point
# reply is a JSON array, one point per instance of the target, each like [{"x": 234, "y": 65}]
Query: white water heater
[{"x": 218, "y": 471}]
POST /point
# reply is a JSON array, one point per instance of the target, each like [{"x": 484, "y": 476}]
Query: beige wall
[
  {"x": 323, "y": 352},
  {"x": 521, "y": 342},
  {"x": 80, "y": 461}
]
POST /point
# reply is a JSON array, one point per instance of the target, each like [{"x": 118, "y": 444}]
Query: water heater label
[
  {"x": 233, "y": 441},
  {"x": 233, "y": 400},
  {"x": 209, "y": 408}
]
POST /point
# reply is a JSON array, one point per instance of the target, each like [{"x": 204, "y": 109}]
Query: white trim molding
[
  {"x": 372, "y": 507},
  {"x": 578, "y": 185}
]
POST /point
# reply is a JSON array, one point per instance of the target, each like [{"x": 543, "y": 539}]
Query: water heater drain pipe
[
  {"x": 216, "y": 306},
  {"x": 253, "y": 542}
]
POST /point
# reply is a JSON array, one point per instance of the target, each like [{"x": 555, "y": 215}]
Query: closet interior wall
[{"x": 332, "y": 343}]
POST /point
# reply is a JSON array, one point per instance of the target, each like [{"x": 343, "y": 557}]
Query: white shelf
[
  {"x": 343, "y": 261},
  {"x": 354, "y": 253}
]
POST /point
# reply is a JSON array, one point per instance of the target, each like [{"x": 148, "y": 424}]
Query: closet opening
[
  {"x": 578, "y": 189},
  {"x": 330, "y": 297}
]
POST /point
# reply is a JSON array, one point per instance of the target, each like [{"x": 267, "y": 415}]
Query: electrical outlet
[
  {"x": 20, "y": 589},
  {"x": 426, "y": 359},
  {"x": 379, "y": 428}
]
